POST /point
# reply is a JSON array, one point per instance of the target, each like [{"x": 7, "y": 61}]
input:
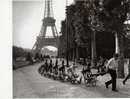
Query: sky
[{"x": 27, "y": 20}]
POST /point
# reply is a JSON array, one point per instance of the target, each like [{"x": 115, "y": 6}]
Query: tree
[
  {"x": 87, "y": 18},
  {"x": 109, "y": 15},
  {"x": 114, "y": 15},
  {"x": 18, "y": 52}
]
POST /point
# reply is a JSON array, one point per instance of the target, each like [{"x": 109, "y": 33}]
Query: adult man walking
[
  {"x": 111, "y": 67},
  {"x": 128, "y": 76}
]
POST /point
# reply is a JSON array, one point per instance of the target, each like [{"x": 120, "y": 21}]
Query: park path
[{"x": 28, "y": 83}]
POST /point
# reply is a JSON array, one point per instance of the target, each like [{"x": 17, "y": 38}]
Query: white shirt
[{"x": 112, "y": 64}]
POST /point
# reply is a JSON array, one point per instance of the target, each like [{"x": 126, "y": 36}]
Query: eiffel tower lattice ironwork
[{"x": 48, "y": 21}]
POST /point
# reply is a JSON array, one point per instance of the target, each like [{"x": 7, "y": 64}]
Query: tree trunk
[
  {"x": 93, "y": 48},
  {"x": 73, "y": 54},
  {"x": 117, "y": 44},
  {"x": 120, "y": 51},
  {"x": 77, "y": 53}
]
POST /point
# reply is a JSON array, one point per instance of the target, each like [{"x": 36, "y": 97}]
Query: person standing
[
  {"x": 50, "y": 66},
  {"x": 46, "y": 67},
  {"x": 111, "y": 68},
  {"x": 56, "y": 66},
  {"x": 128, "y": 76},
  {"x": 63, "y": 67}
]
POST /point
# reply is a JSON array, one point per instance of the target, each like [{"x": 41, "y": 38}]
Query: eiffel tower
[{"x": 48, "y": 21}]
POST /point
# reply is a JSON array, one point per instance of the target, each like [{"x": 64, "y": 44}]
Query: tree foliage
[
  {"x": 88, "y": 16},
  {"x": 19, "y": 52}
]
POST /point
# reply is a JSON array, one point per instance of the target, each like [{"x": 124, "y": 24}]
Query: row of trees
[
  {"x": 88, "y": 19},
  {"x": 26, "y": 53},
  {"x": 19, "y": 52}
]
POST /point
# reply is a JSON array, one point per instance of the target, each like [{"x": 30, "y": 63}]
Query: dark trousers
[
  {"x": 128, "y": 76},
  {"x": 113, "y": 79}
]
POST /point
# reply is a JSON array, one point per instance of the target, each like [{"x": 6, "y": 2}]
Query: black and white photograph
[{"x": 70, "y": 49}]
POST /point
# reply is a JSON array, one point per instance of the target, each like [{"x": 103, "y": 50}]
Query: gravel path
[{"x": 27, "y": 83}]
